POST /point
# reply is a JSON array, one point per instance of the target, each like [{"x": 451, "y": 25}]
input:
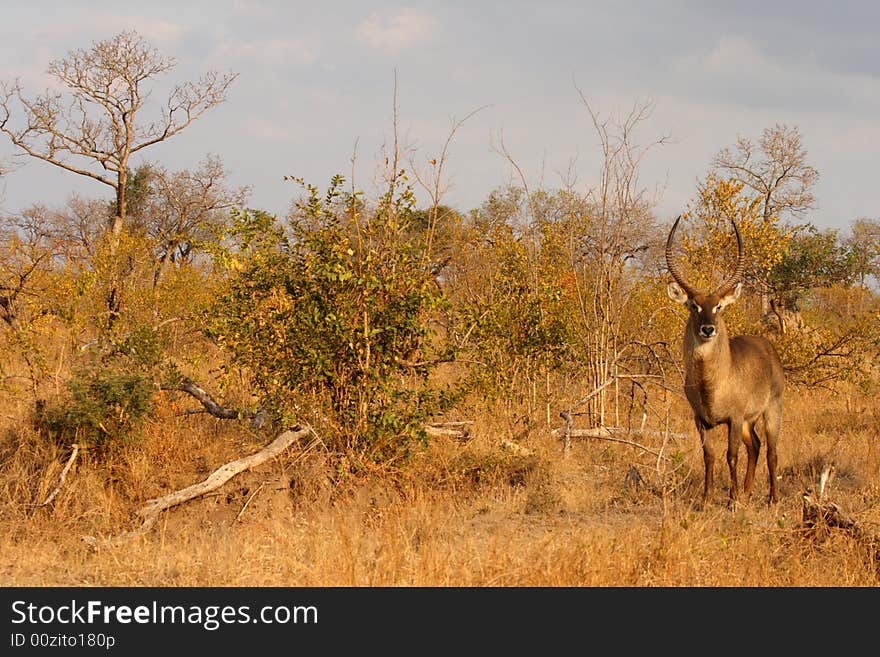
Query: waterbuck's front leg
[
  {"x": 708, "y": 461},
  {"x": 734, "y": 435}
]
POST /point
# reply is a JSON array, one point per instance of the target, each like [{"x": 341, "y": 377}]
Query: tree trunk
[
  {"x": 121, "y": 203},
  {"x": 114, "y": 300}
]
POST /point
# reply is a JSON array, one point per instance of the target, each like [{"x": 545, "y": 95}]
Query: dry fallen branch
[
  {"x": 70, "y": 461},
  {"x": 460, "y": 430},
  {"x": 211, "y": 406},
  {"x": 248, "y": 501},
  {"x": 607, "y": 433},
  {"x": 151, "y": 510},
  {"x": 190, "y": 387},
  {"x": 819, "y": 515},
  {"x": 602, "y": 432},
  {"x": 568, "y": 415}
]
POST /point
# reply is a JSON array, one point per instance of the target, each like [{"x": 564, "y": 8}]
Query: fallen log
[
  {"x": 75, "y": 447},
  {"x": 459, "y": 429},
  {"x": 611, "y": 433},
  {"x": 819, "y": 515},
  {"x": 150, "y": 511},
  {"x": 211, "y": 406},
  {"x": 205, "y": 399}
]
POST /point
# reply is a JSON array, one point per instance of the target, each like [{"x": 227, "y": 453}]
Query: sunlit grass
[{"x": 460, "y": 514}]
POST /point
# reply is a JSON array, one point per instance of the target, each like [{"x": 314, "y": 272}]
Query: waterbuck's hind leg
[
  {"x": 772, "y": 424},
  {"x": 734, "y": 436},
  {"x": 753, "y": 448}
]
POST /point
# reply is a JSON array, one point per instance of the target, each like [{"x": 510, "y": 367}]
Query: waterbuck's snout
[{"x": 707, "y": 310}]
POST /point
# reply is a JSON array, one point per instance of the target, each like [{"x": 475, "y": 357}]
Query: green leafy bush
[
  {"x": 108, "y": 397},
  {"x": 104, "y": 407},
  {"x": 330, "y": 312}
]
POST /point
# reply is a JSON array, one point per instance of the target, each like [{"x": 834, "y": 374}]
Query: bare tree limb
[
  {"x": 258, "y": 418},
  {"x": 70, "y": 461},
  {"x": 606, "y": 433},
  {"x": 460, "y": 430},
  {"x": 248, "y": 501},
  {"x": 190, "y": 387},
  {"x": 150, "y": 511},
  {"x": 819, "y": 515}
]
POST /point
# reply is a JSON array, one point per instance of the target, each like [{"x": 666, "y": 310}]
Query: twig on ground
[
  {"x": 248, "y": 501},
  {"x": 75, "y": 447}
]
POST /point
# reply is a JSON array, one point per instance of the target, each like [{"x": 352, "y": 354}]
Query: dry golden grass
[{"x": 472, "y": 514}]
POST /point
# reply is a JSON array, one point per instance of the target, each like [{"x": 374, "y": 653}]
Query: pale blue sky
[{"x": 314, "y": 78}]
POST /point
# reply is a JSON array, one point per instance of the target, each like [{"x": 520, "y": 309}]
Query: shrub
[
  {"x": 330, "y": 313},
  {"x": 109, "y": 398}
]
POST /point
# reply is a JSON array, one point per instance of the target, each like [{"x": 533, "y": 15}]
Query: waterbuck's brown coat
[{"x": 737, "y": 382}]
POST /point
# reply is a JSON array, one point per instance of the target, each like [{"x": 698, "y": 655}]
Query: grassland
[{"x": 469, "y": 513}]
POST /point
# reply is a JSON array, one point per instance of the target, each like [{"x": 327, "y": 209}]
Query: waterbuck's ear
[
  {"x": 676, "y": 293},
  {"x": 729, "y": 298}
]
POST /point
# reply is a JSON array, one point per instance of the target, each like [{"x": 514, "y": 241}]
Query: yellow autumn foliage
[{"x": 710, "y": 244}]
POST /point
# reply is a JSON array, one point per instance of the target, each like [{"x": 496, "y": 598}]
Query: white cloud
[
  {"x": 152, "y": 29},
  {"x": 396, "y": 30},
  {"x": 300, "y": 51},
  {"x": 156, "y": 30},
  {"x": 738, "y": 54},
  {"x": 732, "y": 58},
  {"x": 266, "y": 130},
  {"x": 739, "y": 73}
]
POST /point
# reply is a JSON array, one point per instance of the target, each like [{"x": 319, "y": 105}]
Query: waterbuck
[{"x": 734, "y": 381}]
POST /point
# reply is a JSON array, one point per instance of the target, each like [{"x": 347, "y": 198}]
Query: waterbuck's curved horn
[
  {"x": 670, "y": 262},
  {"x": 727, "y": 286}
]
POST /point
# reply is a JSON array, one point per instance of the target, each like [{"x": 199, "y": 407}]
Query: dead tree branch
[
  {"x": 460, "y": 430},
  {"x": 70, "y": 461},
  {"x": 248, "y": 501},
  {"x": 211, "y": 406},
  {"x": 190, "y": 387},
  {"x": 569, "y": 431},
  {"x": 151, "y": 510},
  {"x": 607, "y": 433},
  {"x": 819, "y": 515}
]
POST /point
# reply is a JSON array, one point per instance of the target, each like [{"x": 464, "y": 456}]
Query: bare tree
[
  {"x": 96, "y": 129},
  {"x": 79, "y": 226},
  {"x": 433, "y": 182},
  {"x": 621, "y": 231},
  {"x": 178, "y": 208},
  {"x": 775, "y": 168},
  {"x": 36, "y": 241},
  {"x": 864, "y": 247}
]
